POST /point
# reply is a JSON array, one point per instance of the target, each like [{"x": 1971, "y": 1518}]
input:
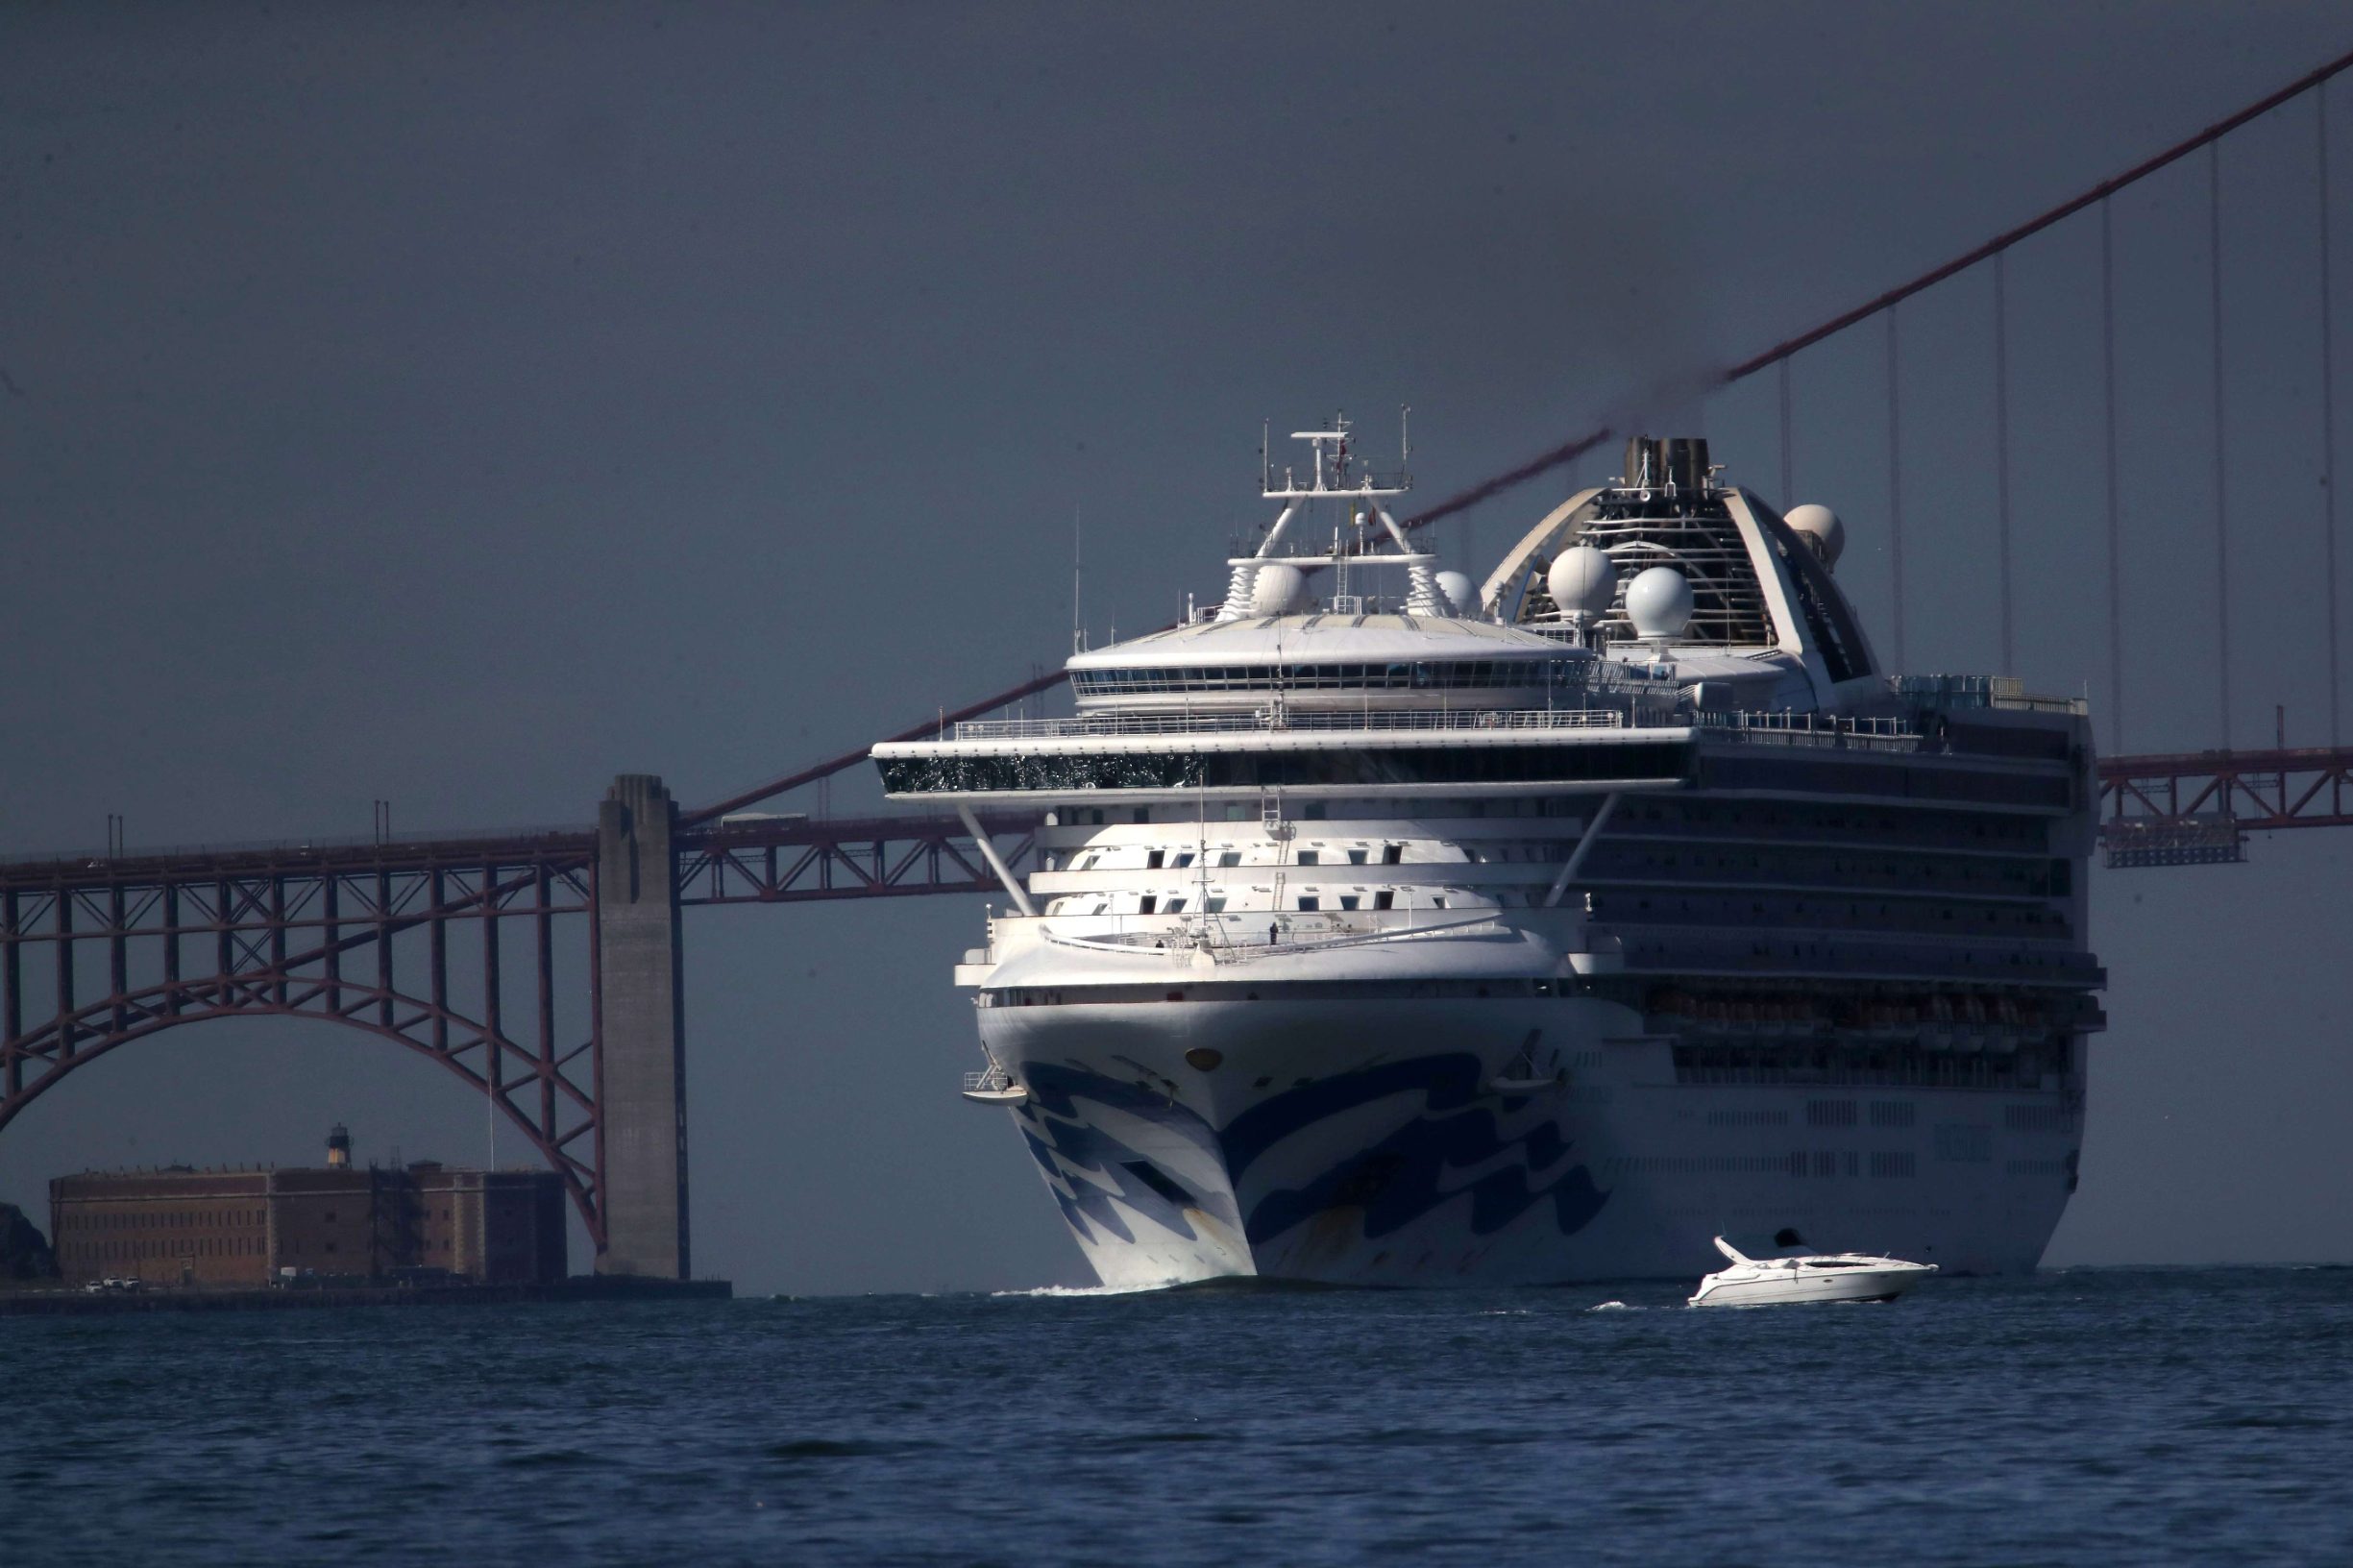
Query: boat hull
[
  {"x": 1366, "y": 1142},
  {"x": 1858, "y": 1284}
]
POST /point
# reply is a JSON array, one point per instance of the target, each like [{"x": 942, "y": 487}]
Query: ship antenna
[
  {"x": 1405, "y": 437},
  {"x": 1077, "y": 540}
]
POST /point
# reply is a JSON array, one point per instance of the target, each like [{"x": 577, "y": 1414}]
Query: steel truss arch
[
  {"x": 65, "y": 1044},
  {"x": 290, "y": 934}
]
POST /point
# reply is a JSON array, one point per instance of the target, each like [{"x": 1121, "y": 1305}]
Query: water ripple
[{"x": 2163, "y": 1416}]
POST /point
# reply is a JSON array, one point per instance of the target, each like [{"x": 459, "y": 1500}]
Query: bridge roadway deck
[
  {"x": 2255, "y": 790},
  {"x": 774, "y": 860}
]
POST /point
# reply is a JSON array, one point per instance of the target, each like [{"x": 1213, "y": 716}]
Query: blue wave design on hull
[
  {"x": 1056, "y": 1130},
  {"x": 1400, "y": 1179},
  {"x": 1395, "y": 1183}
]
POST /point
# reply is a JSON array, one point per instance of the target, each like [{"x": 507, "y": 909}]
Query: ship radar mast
[{"x": 1339, "y": 480}]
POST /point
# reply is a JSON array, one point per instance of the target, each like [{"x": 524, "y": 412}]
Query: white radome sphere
[
  {"x": 1277, "y": 589},
  {"x": 1819, "y": 526},
  {"x": 1582, "y": 582},
  {"x": 1459, "y": 592},
  {"x": 1658, "y": 602}
]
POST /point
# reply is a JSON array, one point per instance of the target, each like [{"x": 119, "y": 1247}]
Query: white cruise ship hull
[{"x": 1365, "y": 1143}]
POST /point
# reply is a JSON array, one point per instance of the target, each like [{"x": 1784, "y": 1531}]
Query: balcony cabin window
[
  {"x": 1148, "y": 904},
  {"x": 1356, "y": 857},
  {"x": 1308, "y": 901},
  {"x": 1309, "y": 857},
  {"x": 1348, "y": 900},
  {"x": 1385, "y": 900},
  {"x": 1153, "y": 861},
  {"x": 1392, "y": 854}
]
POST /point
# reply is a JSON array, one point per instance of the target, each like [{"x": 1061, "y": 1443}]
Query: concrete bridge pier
[{"x": 641, "y": 1034}]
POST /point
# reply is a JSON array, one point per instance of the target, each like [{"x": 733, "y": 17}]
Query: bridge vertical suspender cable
[
  {"x": 2001, "y": 456},
  {"x": 1895, "y": 485},
  {"x": 2222, "y": 450},
  {"x": 1789, "y": 492},
  {"x": 2115, "y": 545},
  {"x": 2328, "y": 414}
]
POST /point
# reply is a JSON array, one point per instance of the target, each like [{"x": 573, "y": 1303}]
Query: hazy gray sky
[{"x": 461, "y": 405}]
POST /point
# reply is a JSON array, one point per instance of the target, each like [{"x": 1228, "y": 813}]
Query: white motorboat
[{"x": 1826, "y": 1276}]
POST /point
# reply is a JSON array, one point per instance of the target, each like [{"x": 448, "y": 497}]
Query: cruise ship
[{"x": 1390, "y": 929}]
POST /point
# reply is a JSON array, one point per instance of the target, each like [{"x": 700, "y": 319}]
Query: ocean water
[{"x": 2195, "y": 1415}]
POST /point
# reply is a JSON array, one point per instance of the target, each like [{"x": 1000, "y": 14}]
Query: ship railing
[
  {"x": 1263, "y": 720},
  {"x": 1781, "y": 728},
  {"x": 1769, "y": 726},
  {"x": 1811, "y": 724},
  {"x": 1983, "y": 692}
]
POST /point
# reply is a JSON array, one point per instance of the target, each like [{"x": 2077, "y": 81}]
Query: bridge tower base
[{"x": 640, "y": 1034}]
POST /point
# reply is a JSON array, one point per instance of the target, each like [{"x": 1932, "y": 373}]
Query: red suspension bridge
[{"x": 544, "y": 970}]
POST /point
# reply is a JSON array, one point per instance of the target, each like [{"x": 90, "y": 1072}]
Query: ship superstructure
[{"x": 1393, "y": 929}]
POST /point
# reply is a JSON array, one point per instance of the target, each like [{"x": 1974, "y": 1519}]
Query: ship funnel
[
  {"x": 1686, "y": 462},
  {"x": 1656, "y": 462},
  {"x": 1643, "y": 465}
]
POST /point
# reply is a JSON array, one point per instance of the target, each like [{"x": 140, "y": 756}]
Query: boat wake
[{"x": 1059, "y": 1291}]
